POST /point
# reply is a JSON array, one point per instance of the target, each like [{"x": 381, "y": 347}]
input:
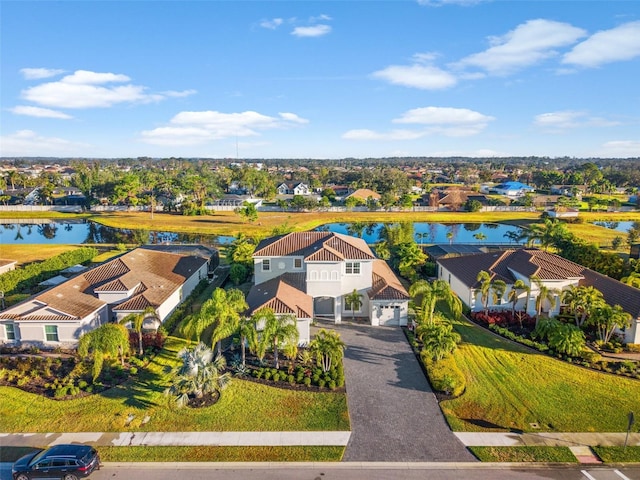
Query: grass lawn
[
  {"x": 243, "y": 406},
  {"x": 32, "y": 253},
  {"x": 510, "y": 387},
  {"x": 631, "y": 454},
  {"x": 524, "y": 454}
]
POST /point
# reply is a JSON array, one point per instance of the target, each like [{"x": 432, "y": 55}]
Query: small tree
[
  {"x": 606, "y": 319},
  {"x": 328, "y": 348},
  {"x": 279, "y": 330},
  {"x": 353, "y": 302},
  {"x": 108, "y": 340},
  {"x": 484, "y": 278},
  {"x": 137, "y": 321},
  {"x": 438, "y": 339},
  {"x": 248, "y": 212}
]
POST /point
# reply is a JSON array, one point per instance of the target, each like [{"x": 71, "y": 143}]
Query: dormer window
[
  {"x": 266, "y": 265},
  {"x": 352, "y": 268}
]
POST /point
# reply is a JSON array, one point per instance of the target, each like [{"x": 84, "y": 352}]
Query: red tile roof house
[
  {"x": 128, "y": 284},
  {"x": 553, "y": 271},
  {"x": 308, "y": 274}
]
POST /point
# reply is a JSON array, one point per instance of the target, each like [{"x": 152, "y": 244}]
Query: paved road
[
  {"x": 394, "y": 413},
  {"x": 345, "y": 471}
]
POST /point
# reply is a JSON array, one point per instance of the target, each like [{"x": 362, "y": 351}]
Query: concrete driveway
[{"x": 394, "y": 413}]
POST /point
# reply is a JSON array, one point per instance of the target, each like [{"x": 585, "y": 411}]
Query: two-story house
[
  {"x": 293, "y": 188},
  {"x": 309, "y": 275}
]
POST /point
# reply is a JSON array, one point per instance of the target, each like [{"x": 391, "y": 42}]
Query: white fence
[{"x": 41, "y": 208}]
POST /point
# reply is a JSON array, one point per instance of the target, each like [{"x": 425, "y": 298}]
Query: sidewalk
[{"x": 340, "y": 438}]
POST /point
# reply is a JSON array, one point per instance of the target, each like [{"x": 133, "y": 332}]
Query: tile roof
[
  {"x": 386, "y": 285},
  {"x": 364, "y": 194},
  {"x": 284, "y": 294},
  {"x": 157, "y": 274},
  {"x": 315, "y": 246},
  {"x": 613, "y": 291}
]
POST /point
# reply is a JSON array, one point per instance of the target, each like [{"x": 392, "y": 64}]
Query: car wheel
[
  {"x": 70, "y": 476},
  {"x": 22, "y": 476}
]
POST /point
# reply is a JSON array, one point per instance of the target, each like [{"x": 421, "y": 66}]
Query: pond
[
  {"x": 428, "y": 232},
  {"x": 81, "y": 232},
  {"x": 617, "y": 226}
]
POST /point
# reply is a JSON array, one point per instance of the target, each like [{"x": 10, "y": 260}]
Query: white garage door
[{"x": 389, "y": 314}]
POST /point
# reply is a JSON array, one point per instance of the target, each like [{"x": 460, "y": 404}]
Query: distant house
[
  {"x": 308, "y": 274},
  {"x": 128, "y": 284},
  {"x": 293, "y": 188},
  {"x": 553, "y": 271},
  {"x": 453, "y": 198},
  {"x": 363, "y": 194},
  {"x": 511, "y": 189}
]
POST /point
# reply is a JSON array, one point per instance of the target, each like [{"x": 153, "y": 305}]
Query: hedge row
[
  {"x": 24, "y": 278},
  {"x": 444, "y": 375}
]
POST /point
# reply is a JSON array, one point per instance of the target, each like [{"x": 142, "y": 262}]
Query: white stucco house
[
  {"x": 293, "y": 188},
  {"x": 128, "y": 284},
  {"x": 308, "y": 274},
  {"x": 553, "y": 271}
]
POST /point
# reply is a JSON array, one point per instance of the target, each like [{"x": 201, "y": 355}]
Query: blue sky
[{"x": 326, "y": 79}]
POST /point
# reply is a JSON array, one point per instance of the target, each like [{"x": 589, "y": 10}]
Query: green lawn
[
  {"x": 524, "y": 454},
  {"x": 510, "y": 387},
  {"x": 631, "y": 454},
  {"x": 244, "y": 406}
]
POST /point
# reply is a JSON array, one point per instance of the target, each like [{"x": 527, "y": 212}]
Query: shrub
[
  {"x": 60, "y": 392},
  {"x": 307, "y": 381},
  {"x": 82, "y": 384},
  {"x": 133, "y": 371},
  {"x": 291, "y": 379},
  {"x": 331, "y": 385},
  {"x": 276, "y": 377},
  {"x": 321, "y": 383},
  {"x": 267, "y": 375},
  {"x": 444, "y": 375}
]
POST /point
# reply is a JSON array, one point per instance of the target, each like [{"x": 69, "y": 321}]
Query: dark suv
[{"x": 65, "y": 462}]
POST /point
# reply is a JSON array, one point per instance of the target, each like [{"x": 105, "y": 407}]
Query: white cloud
[
  {"x": 618, "y": 44},
  {"x": 86, "y": 89},
  {"x": 364, "y": 134},
  {"x": 443, "y": 121},
  {"x": 39, "y": 73},
  {"x": 271, "y": 24},
  {"x": 528, "y": 44},
  {"x": 425, "y": 77},
  {"x": 621, "y": 149},
  {"x": 320, "y": 18},
  {"x": 29, "y": 144},
  {"x": 194, "y": 128},
  {"x": 39, "y": 112},
  {"x": 184, "y": 93},
  {"x": 443, "y": 116},
  {"x": 556, "y": 121},
  {"x": 312, "y": 31}
]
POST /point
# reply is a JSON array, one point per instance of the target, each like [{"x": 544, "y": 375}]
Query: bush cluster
[
  {"x": 302, "y": 375},
  {"x": 445, "y": 375},
  {"x": 504, "y": 318}
]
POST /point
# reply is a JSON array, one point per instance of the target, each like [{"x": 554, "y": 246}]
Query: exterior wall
[
  {"x": 278, "y": 266},
  {"x": 114, "y": 298},
  {"x": 304, "y": 331},
  {"x": 459, "y": 288},
  {"x": 325, "y": 279}
]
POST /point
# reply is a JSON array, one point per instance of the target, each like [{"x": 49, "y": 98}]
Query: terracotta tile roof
[
  {"x": 284, "y": 294},
  {"x": 364, "y": 194},
  {"x": 386, "y": 285},
  {"x": 157, "y": 274},
  {"x": 315, "y": 246},
  {"x": 135, "y": 304}
]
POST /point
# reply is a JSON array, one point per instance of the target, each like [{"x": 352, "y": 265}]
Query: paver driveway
[{"x": 394, "y": 413}]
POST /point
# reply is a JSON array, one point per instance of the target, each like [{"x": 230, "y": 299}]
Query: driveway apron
[{"x": 394, "y": 414}]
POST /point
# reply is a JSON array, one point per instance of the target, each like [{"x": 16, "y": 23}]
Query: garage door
[{"x": 389, "y": 315}]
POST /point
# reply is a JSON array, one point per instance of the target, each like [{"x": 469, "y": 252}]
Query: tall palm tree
[
  {"x": 484, "y": 278},
  {"x": 137, "y": 321},
  {"x": 328, "y": 348},
  {"x": 545, "y": 294},
  {"x": 198, "y": 375},
  {"x": 517, "y": 287},
  {"x": 581, "y": 301},
  {"x": 248, "y": 335},
  {"x": 353, "y": 301},
  {"x": 426, "y": 294},
  {"x": 279, "y": 330},
  {"x": 498, "y": 287}
]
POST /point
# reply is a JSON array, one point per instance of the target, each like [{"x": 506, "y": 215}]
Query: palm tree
[
  {"x": 517, "y": 287},
  {"x": 279, "y": 330},
  {"x": 484, "y": 278},
  {"x": 438, "y": 339},
  {"x": 498, "y": 287},
  {"x": 426, "y": 294},
  {"x": 606, "y": 319},
  {"x": 137, "y": 320},
  {"x": 633, "y": 279},
  {"x": 328, "y": 348},
  {"x": 353, "y": 302},
  {"x": 581, "y": 301},
  {"x": 198, "y": 375},
  {"x": 544, "y": 294},
  {"x": 108, "y": 340},
  {"x": 248, "y": 335}
]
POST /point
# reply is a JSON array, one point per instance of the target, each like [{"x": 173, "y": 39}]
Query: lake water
[
  {"x": 617, "y": 226},
  {"x": 88, "y": 232},
  {"x": 427, "y": 232}
]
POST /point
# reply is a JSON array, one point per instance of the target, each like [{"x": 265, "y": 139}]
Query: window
[
  {"x": 266, "y": 265},
  {"x": 51, "y": 333},
  {"x": 297, "y": 263},
  {"x": 352, "y": 268},
  {"x": 10, "y": 328}
]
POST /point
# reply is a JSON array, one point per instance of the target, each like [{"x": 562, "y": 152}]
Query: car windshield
[
  {"x": 38, "y": 457},
  {"x": 88, "y": 456}
]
